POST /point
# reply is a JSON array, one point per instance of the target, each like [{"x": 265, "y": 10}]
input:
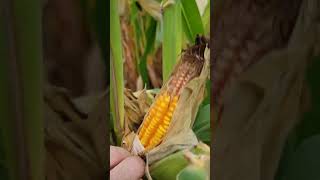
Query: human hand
[{"x": 124, "y": 166}]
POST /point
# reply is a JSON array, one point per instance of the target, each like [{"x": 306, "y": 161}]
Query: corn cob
[{"x": 157, "y": 121}]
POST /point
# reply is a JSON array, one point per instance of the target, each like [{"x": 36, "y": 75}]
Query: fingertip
[
  {"x": 117, "y": 154},
  {"x": 132, "y": 168},
  {"x": 138, "y": 164}
]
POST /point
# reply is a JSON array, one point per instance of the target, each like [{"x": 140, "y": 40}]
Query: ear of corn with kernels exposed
[{"x": 158, "y": 119}]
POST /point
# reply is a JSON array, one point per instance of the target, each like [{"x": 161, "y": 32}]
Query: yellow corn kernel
[
  {"x": 166, "y": 120},
  {"x": 157, "y": 121}
]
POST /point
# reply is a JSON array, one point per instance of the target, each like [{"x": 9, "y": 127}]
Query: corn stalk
[{"x": 116, "y": 63}]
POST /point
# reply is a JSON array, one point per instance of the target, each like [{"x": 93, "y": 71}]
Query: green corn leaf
[
  {"x": 208, "y": 92},
  {"x": 172, "y": 37},
  {"x": 206, "y": 19},
  {"x": 116, "y": 71},
  {"x": 186, "y": 30},
  {"x": 192, "y": 21},
  {"x": 151, "y": 35},
  {"x": 134, "y": 14},
  {"x": 201, "y": 126},
  {"x": 179, "y": 31}
]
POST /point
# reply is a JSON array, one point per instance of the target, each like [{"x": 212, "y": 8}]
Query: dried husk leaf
[
  {"x": 264, "y": 104},
  {"x": 153, "y": 7},
  {"x": 135, "y": 108},
  {"x": 136, "y": 105}
]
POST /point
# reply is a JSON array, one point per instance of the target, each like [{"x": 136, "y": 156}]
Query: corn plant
[{"x": 173, "y": 25}]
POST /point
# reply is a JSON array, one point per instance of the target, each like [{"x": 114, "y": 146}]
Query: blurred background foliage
[
  {"x": 45, "y": 43},
  {"x": 300, "y": 157}
]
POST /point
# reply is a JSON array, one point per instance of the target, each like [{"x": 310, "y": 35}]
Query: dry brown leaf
[
  {"x": 136, "y": 106},
  {"x": 153, "y": 7}
]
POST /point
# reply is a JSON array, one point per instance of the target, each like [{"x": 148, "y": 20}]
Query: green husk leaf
[
  {"x": 172, "y": 165},
  {"x": 191, "y": 173},
  {"x": 169, "y": 167}
]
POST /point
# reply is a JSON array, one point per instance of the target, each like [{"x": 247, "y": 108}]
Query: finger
[
  {"x": 117, "y": 154},
  {"x": 132, "y": 168}
]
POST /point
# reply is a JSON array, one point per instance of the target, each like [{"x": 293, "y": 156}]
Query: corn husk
[
  {"x": 199, "y": 163},
  {"x": 195, "y": 160},
  {"x": 180, "y": 135},
  {"x": 136, "y": 106}
]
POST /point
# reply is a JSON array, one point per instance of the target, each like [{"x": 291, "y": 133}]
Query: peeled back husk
[{"x": 180, "y": 135}]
